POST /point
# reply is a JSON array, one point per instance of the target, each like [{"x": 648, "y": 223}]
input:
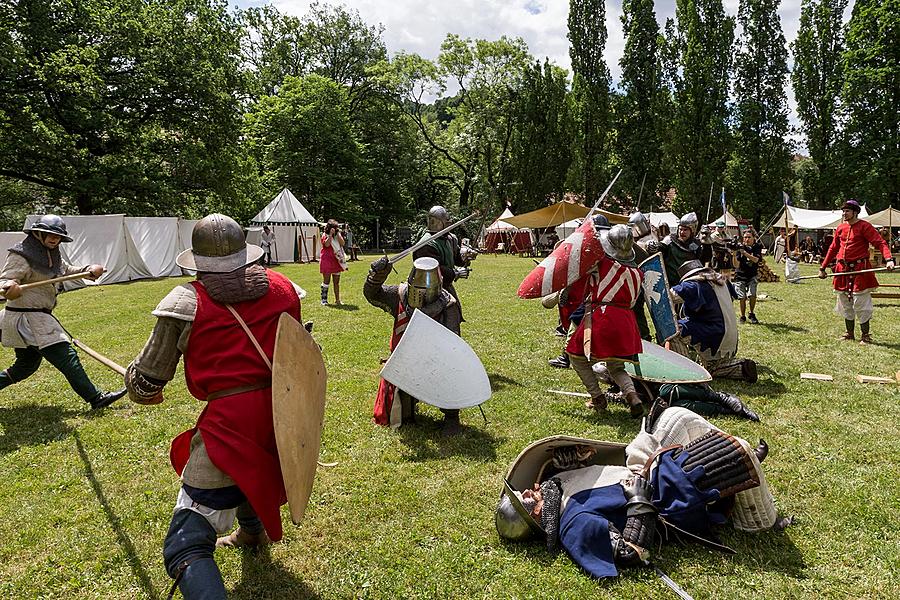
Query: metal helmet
[
  {"x": 690, "y": 221},
  {"x": 600, "y": 222},
  {"x": 618, "y": 243},
  {"x": 218, "y": 246},
  {"x": 438, "y": 218},
  {"x": 52, "y": 224},
  {"x": 512, "y": 519},
  {"x": 640, "y": 225},
  {"x": 424, "y": 282},
  {"x": 688, "y": 268}
]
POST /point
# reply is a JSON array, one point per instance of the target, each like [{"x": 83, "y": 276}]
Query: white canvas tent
[
  {"x": 294, "y": 228},
  {"x": 889, "y": 217},
  {"x": 669, "y": 218},
  {"x": 501, "y": 232},
  {"x": 564, "y": 230},
  {"x": 804, "y": 218},
  {"x": 128, "y": 247},
  {"x": 10, "y": 238}
]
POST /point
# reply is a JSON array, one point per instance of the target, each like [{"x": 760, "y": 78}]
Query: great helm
[
  {"x": 690, "y": 221},
  {"x": 424, "y": 282},
  {"x": 50, "y": 224},
  {"x": 618, "y": 243},
  {"x": 438, "y": 218},
  {"x": 512, "y": 519},
  {"x": 640, "y": 226},
  {"x": 218, "y": 246}
]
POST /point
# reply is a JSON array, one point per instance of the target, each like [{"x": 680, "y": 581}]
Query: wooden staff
[
  {"x": 99, "y": 357},
  {"x": 28, "y": 286}
]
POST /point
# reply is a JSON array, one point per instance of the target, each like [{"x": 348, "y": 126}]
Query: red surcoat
[
  {"x": 849, "y": 251},
  {"x": 237, "y": 429},
  {"x": 609, "y": 296}
]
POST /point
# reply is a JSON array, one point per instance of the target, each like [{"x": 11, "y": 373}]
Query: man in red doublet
[
  {"x": 849, "y": 251},
  {"x": 224, "y": 324}
]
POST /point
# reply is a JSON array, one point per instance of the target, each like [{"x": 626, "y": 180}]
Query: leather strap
[
  {"x": 29, "y": 310},
  {"x": 645, "y": 472},
  {"x": 250, "y": 335},
  {"x": 239, "y": 390}
]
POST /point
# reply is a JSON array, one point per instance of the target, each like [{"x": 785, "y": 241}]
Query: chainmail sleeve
[{"x": 551, "y": 491}]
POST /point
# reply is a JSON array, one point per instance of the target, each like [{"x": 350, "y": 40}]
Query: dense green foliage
[
  {"x": 87, "y": 498},
  {"x": 183, "y": 107}
]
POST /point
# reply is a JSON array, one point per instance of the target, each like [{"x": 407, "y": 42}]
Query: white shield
[{"x": 434, "y": 365}]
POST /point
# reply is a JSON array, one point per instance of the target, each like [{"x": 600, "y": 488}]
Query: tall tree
[
  {"x": 700, "y": 137},
  {"x": 302, "y": 138},
  {"x": 590, "y": 90},
  {"x": 120, "y": 105},
  {"x": 871, "y": 94},
  {"x": 638, "y": 114},
  {"x": 760, "y": 167},
  {"x": 541, "y": 151},
  {"x": 818, "y": 78}
]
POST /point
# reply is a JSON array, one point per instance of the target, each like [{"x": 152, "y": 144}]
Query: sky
[{"x": 420, "y": 26}]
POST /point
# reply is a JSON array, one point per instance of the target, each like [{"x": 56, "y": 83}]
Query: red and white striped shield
[{"x": 571, "y": 261}]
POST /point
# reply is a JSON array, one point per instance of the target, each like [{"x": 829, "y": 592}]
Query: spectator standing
[
  {"x": 266, "y": 242},
  {"x": 746, "y": 265},
  {"x": 332, "y": 261}
]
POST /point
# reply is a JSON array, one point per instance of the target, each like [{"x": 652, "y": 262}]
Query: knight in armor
[
  {"x": 849, "y": 251},
  {"x": 27, "y": 323},
  {"x": 642, "y": 233},
  {"x": 680, "y": 474},
  {"x": 684, "y": 246},
  {"x": 224, "y": 324},
  {"x": 608, "y": 330},
  {"x": 454, "y": 260},
  {"x": 423, "y": 290},
  {"x": 708, "y": 327}
]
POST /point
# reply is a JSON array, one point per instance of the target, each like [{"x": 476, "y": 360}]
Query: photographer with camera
[
  {"x": 747, "y": 254},
  {"x": 332, "y": 261}
]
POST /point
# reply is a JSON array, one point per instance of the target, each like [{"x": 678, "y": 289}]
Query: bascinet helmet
[
  {"x": 600, "y": 222},
  {"x": 640, "y": 226},
  {"x": 512, "y": 519},
  {"x": 424, "y": 282},
  {"x": 618, "y": 243},
  {"x": 689, "y": 220},
  {"x": 688, "y": 268},
  {"x": 438, "y": 218},
  {"x": 50, "y": 224},
  {"x": 218, "y": 246}
]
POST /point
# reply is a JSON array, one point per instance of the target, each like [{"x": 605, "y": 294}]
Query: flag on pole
[
  {"x": 786, "y": 198},
  {"x": 722, "y": 200}
]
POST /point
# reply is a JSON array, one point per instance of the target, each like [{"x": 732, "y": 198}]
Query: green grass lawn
[{"x": 86, "y": 499}]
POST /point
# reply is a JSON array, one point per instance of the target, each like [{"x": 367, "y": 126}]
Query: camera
[{"x": 734, "y": 244}]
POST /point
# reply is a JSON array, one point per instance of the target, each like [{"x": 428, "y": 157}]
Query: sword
[
  {"x": 99, "y": 357},
  {"x": 878, "y": 270},
  {"x": 602, "y": 196},
  {"x": 28, "y": 286},
  {"x": 564, "y": 393},
  {"x": 428, "y": 238},
  {"x": 672, "y": 585}
]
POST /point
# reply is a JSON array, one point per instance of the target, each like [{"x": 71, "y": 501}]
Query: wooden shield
[{"x": 298, "y": 410}]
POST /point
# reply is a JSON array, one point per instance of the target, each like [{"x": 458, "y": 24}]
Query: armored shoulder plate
[{"x": 180, "y": 303}]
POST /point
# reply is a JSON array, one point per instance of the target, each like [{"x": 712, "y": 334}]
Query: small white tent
[
  {"x": 804, "y": 218},
  {"x": 514, "y": 239},
  {"x": 669, "y": 218},
  {"x": 294, "y": 228},
  {"x": 564, "y": 230}
]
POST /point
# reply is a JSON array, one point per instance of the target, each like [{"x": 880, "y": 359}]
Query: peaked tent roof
[
  {"x": 669, "y": 218},
  {"x": 500, "y": 223},
  {"x": 729, "y": 219},
  {"x": 889, "y": 217},
  {"x": 556, "y": 214},
  {"x": 286, "y": 209}
]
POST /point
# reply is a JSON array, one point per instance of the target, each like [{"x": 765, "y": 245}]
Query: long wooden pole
[
  {"x": 878, "y": 270},
  {"x": 82, "y": 275},
  {"x": 99, "y": 357}
]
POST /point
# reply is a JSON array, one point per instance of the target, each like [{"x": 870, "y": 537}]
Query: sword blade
[
  {"x": 672, "y": 585},
  {"x": 602, "y": 196},
  {"x": 428, "y": 238},
  {"x": 564, "y": 393}
]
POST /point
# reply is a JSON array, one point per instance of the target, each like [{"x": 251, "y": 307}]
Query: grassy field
[{"x": 86, "y": 498}]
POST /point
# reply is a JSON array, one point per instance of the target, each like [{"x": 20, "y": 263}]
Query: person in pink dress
[{"x": 332, "y": 260}]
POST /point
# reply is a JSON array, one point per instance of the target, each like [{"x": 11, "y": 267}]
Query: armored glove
[
  {"x": 380, "y": 265},
  {"x": 462, "y": 272},
  {"x": 640, "y": 525},
  {"x": 653, "y": 246}
]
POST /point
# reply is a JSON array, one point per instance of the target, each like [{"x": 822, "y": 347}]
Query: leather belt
[
  {"x": 29, "y": 310},
  {"x": 239, "y": 390}
]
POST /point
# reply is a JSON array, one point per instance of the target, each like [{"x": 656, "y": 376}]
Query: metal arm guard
[
  {"x": 636, "y": 538},
  {"x": 727, "y": 466},
  {"x": 551, "y": 492},
  {"x": 566, "y": 458}
]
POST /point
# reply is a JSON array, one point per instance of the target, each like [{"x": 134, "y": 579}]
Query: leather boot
[
  {"x": 734, "y": 405},
  {"x": 107, "y": 398},
  {"x": 749, "y": 371},
  {"x": 599, "y": 403},
  {"x": 239, "y": 539},
  {"x": 452, "y": 427},
  {"x": 635, "y": 406}
]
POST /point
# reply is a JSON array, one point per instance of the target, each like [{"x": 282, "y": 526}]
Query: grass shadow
[
  {"x": 263, "y": 578},
  {"x": 783, "y": 328},
  {"x": 346, "y": 307},
  {"x": 131, "y": 556},
  {"x": 616, "y": 416},
  {"x": 498, "y": 382},
  {"x": 425, "y": 442},
  {"x": 32, "y": 425}
]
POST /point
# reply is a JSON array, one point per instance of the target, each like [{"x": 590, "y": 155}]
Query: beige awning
[
  {"x": 556, "y": 214},
  {"x": 889, "y": 217}
]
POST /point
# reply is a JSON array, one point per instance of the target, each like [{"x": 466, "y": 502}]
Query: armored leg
[
  {"x": 188, "y": 557},
  {"x": 65, "y": 359},
  {"x": 452, "y": 426},
  {"x": 27, "y": 362},
  {"x": 623, "y": 380},
  {"x": 583, "y": 368},
  {"x": 407, "y": 407}
]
